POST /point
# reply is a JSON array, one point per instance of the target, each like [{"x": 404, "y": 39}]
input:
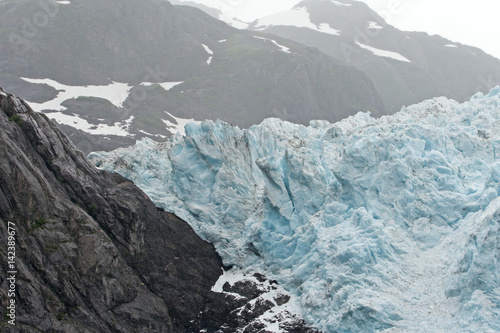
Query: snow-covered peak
[{"x": 372, "y": 225}]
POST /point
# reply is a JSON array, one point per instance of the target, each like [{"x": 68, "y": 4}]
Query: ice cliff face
[{"x": 383, "y": 224}]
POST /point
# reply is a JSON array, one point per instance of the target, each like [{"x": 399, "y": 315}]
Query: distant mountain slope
[
  {"x": 161, "y": 64},
  {"x": 405, "y": 67}
]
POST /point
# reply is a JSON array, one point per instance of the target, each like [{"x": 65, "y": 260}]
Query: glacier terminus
[{"x": 384, "y": 224}]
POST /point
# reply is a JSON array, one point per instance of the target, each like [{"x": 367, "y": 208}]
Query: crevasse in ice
[{"x": 387, "y": 224}]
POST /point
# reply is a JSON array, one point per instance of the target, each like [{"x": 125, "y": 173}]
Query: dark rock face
[{"x": 93, "y": 254}]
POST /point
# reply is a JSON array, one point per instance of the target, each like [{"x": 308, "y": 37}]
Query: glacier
[{"x": 373, "y": 225}]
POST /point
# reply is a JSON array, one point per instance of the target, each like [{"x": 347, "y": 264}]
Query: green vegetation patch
[{"x": 15, "y": 118}]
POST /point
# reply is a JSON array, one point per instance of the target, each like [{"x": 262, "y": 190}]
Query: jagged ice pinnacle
[{"x": 387, "y": 224}]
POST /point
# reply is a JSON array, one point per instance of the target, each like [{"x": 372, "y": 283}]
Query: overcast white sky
[
  {"x": 473, "y": 23},
  {"x": 468, "y": 22}
]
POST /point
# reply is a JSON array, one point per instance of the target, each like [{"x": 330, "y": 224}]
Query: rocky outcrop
[
  {"x": 263, "y": 306},
  {"x": 92, "y": 252}
]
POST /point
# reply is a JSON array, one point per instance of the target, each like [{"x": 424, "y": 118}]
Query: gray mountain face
[
  {"x": 405, "y": 67},
  {"x": 238, "y": 76},
  {"x": 92, "y": 252}
]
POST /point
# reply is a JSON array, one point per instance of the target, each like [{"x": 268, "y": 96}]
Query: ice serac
[{"x": 388, "y": 224}]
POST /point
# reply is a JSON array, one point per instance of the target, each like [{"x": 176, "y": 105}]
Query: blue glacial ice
[{"x": 388, "y": 224}]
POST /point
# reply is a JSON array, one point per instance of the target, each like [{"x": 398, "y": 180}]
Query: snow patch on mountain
[
  {"x": 120, "y": 128},
  {"x": 389, "y": 224},
  {"x": 282, "y": 47},
  {"x": 178, "y": 125},
  {"x": 210, "y": 52},
  {"x": 341, "y": 4},
  {"x": 298, "y": 17},
  {"x": 374, "y": 25},
  {"x": 384, "y": 53},
  {"x": 115, "y": 92},
  {"x": 165, "y": 85},
  {"x": 326, "y": 28}
]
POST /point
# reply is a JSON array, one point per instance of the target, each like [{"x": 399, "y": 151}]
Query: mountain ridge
[{"x": 135, "y": 48}]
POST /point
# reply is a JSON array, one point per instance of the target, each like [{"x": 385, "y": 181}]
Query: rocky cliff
[{"x": 92, "y": 252}]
